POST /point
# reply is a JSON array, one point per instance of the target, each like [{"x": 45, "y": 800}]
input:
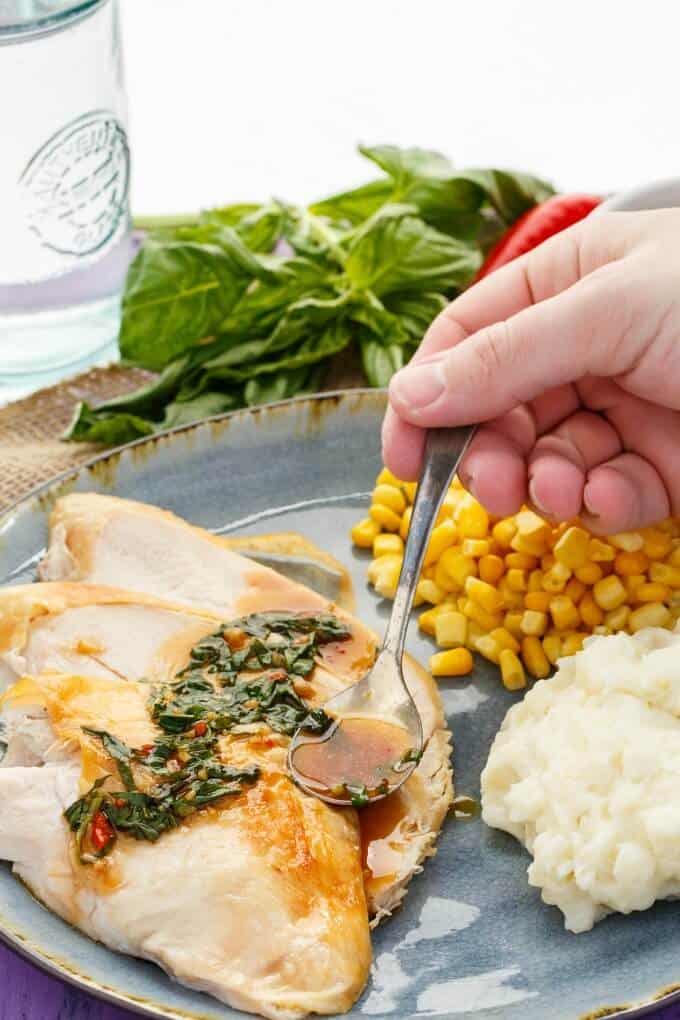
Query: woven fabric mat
[{"x": 31, "y": 451}]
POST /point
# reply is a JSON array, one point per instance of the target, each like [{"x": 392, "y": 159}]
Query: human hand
[{"x": 571, "y": 356}]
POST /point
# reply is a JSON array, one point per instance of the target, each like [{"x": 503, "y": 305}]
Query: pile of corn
[{"x": 520, "y": 591}]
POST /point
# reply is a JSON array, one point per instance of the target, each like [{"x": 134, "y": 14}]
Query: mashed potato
[{"x": 585, "y": 771}]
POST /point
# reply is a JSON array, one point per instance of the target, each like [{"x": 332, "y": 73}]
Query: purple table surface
[{"x": 28, "y": 994}]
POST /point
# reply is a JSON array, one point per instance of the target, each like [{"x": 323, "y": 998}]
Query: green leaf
[
  {"x": 369, "y": 310},
  {"x": 415, "y": 311},
  {"x": 179, "y": 292},
  {"x": 204, "y": 406},
  {"x": 266, "y": 389},
  {"x": 355, "y": 205},
  {"x": 396, "y": 250},
  {"x": 510, "y": 194},
  {"x": 380, "y": 361},
  {"x": 332, "y": 340},
  {"x": 109, "y": 428},
  {"x": 402, "y": 164}
]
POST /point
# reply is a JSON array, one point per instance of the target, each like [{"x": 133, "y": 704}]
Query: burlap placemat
[{"x": 31, "y": 451}]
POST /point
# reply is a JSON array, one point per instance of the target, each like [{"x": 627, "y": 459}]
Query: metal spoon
[{"x": 382, "y": 695}]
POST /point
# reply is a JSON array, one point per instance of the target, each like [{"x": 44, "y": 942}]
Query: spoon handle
[{"x": 443, "y": 451}]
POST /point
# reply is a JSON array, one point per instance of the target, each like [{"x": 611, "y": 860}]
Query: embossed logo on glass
[{"x": 76, "y": 185}]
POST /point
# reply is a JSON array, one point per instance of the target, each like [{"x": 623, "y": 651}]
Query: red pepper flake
[
  {"x": 146, "y": 749},
  {"x": 200, "y": 729},
  {"x": 119, "y": 802},
  {"x": 101, "y": 831},
  {"x": 277, "y": 675}
]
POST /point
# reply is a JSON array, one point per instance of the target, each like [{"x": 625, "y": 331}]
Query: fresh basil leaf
[
  {"x": 355, "y": 205},
  {"x": 380, "y": 361},
  {"x": 415, "y": 311},
  {"x": 265, "y": 301},
  {"x": 178, "y": 293},
  {"x": 371, "y": 312},
  {"x": 204, "y": 406},
  {"x": 510, "y": 194},
  {"x": 403, "y": 164},
  {"x": 109, "y": 428},
  {"x": 266, "y": 389},
  {"x": 332, "y": 340},
  {"x": 396, "y": 250}
]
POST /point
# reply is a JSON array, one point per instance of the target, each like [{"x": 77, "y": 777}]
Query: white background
[{"x": 243, "y": 99}]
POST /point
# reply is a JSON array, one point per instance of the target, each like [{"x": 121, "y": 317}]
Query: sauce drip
[{"x": 359, "y": 757}]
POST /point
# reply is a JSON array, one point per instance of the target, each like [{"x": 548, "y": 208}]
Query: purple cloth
[{"x": 28, "y": 994}]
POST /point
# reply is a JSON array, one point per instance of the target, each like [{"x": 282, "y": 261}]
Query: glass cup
[{"x": 65, "y": 237}]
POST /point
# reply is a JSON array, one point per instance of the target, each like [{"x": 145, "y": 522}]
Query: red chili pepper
[
  {"x": 146, "y": 749},
  {"x": 119, "y": 802},
  {"x": 536, "y": 226},
  {"x": 200, "y": 729},
  {"x": 101, "y": 832}
]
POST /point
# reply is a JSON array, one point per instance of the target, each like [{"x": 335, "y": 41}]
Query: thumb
[{"x": 556, "y": 341}]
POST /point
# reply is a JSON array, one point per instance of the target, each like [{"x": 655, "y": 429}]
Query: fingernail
[
  {"x": 587, "y": 504},
  {"x": 419, "y": 385},
  {"x": 535, "y": 501}
]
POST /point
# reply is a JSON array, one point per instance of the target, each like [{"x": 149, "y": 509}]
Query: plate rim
[{"x": 21, "y": 946}]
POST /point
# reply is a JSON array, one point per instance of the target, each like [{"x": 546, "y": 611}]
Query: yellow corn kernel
[
  {"x": 443, "y": 579},
  {"x": 473, "y": 633},
  {"x": 520, "y": 561},
  {"x": 388, "y": 578},
  {"x": 653, "y": 591},
  {"x": 572, "y": 548},
  {"x": 665, "y": 573},
  {"x": 376, "y": 567},
  {"x": 365, "y": 532},
  {"x": 484, "y": 594},
  {"x": 600, "y": 552},
  {"x": 536, "y": 580},
  {"x": 384, "y": 545},
  {"x": 504, "y": 639},
  {"x": 575, "y": 590},
  {"x": 504, "y": 532},
  {"x": 651, "y": 614},
  {"x": 628, "y": 541},
  {"x": 609, "y": 593},
  {"x": 564, "y": 613},
  {"x": 674, "y": 558},
  {"x": 555, "y": 579},
  {"x": 410, "y": 489},
  {"x": 548, "y": 561},
  {"x": 657, "y": 544},
  {"x": 531, "y": 525},
  {"x": 487, "y": 647},
  {"x": 534, "y": 657},
  {"x": 511, "y": 599},
  {"x": 628, "y": 564},
  {"x": 487, "y": 621},
  {"x": 385, "y": 517},
  {"x": 429, "y": 591},
  {"x": 491, "y": 568},
  {"x": 528, "y": 544},
  {"x": 552, "y": 646},
  {"x": 450, "y": 504},
  {"x": 472, "y": 519},
  {"x": 616, "y": 619},
  {"x": 512, "y": 622},
  {"x": 632, "y": 583},
  {"x": 387, "y": 478},
  {"x": 454, "y": 662},
  {"x": 451, "y": 629},
  {"x": 391, "y": 496},
  {"x": 476, "y": 547},
  {"x": 405, "y": 522},
  {"x": 441, "y": 539},
  {"x": 457, "y": 566},
  {"x": 516, "y": 579},
  {"x": 539, "y": 600},
  {"x": 534, "y": 622},
  {"x": 591, "y": 614},
  {"x": 573, "y": 642},
  {"x": 512, "y": 670},
  {"x": 590, "y": 573},
  {"x": 427, "y": 620}
]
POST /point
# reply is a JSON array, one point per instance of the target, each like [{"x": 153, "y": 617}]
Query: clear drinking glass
[{"x": 65, "y": 238}]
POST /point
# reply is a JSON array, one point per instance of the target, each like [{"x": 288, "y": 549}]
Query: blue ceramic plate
[{"x": 472, "y": 938}]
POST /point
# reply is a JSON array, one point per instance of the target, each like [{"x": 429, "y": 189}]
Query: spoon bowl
[{"x": 374, "y": 737}]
